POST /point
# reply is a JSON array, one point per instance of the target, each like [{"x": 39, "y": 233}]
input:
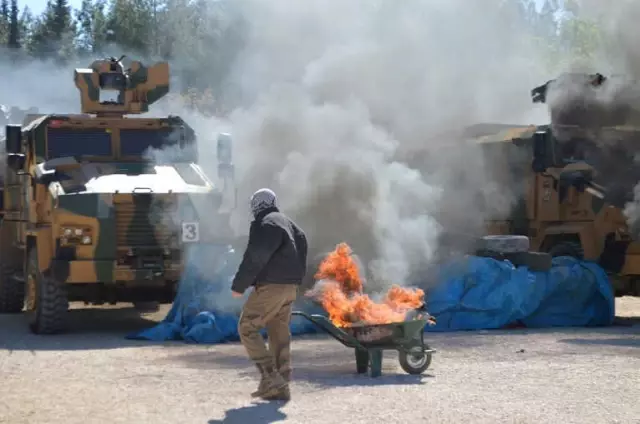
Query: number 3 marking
[{"x": 190, "y": 232}]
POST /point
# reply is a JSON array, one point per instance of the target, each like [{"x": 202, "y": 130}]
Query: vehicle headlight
[{"x": 76, "y": 235}]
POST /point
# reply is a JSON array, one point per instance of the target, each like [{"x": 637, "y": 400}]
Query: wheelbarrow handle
[{"x": 323, "y": 323}]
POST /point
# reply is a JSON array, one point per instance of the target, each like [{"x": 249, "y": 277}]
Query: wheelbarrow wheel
[{"x": 415, "y": 361}]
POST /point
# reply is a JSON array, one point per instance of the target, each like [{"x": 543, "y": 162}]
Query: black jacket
[{"x": 276, "y": 252}]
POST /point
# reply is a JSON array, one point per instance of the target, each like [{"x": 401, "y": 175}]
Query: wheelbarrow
[{"x": 369, "y": 342}]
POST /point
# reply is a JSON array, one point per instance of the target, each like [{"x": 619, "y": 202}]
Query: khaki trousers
[{"x": 269, "y": 306}]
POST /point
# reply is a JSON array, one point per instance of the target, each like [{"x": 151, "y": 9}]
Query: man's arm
[
  {"x": 264, "y": 240},
  {"x": 302, "y": 251}
]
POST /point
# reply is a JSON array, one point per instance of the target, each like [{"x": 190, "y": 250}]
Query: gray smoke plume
[
  {"x": 332, "y": 94},
  {"x": 41, "y": 84},
  {"x": 330, "y": 100}
]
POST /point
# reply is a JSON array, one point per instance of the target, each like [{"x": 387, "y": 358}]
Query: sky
[{"x": 37, "y": 6}]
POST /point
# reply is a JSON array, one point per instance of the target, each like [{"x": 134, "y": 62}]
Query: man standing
[{"x": 274, "y": 262}]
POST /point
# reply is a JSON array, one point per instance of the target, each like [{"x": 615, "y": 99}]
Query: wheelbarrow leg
[
  {"x": 376, "y": 362},
  {"x": 362, "y": 360}
]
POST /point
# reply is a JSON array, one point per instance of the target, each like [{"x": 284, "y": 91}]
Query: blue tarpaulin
[
  {"x": 204, "y": 310},
  {"x": 483, "y": 293},
  {"x": 471, "y": 294}
]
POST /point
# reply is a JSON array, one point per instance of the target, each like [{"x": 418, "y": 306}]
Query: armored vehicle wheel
[
  {"x": 46, "y": 300},
  {"x": 567, "y": 248},
  {"x": 505, "y": 244},
  {"x": 414, "y": 361},
  {"x": 11, "y": 291}
]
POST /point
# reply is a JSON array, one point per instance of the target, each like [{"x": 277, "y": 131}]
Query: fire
[
  {"x": 340, "y": 292},
  {"x": 339, "y": 266}
]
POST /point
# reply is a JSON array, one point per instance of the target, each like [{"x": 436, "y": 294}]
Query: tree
[
  {"x": 579, "y": 37},
  {"x": 54, "y": 32},
  {"x": 4, "y": 21},
  {"x": 130, "y": 25},
  {"x": 92, "y": 26},
  {"x": 60, "y": 21},
  {"x": 13, "y": 40},
  {"x": 547, "y": 22},
  {"x": 26, "y": 22}
]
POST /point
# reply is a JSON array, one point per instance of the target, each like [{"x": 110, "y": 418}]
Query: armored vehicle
[
  {"x": 100, "y": 207},
  {"x": 581, "y": 175}
]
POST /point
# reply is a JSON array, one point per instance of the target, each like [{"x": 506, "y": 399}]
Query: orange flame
[{"x": 340, "y": 287}]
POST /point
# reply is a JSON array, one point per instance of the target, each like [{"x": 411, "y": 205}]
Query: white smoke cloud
[
  {"x": 328, "y": 98},
  {"x": 336, "y": 91}
]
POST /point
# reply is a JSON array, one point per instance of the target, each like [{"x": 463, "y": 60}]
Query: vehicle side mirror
[
  {"x": 225, "y": 145},
  {"x": 225, "y": 156},
  {"x": 13, "y": 135},
  {"x": 226, "y": 171},
  {"x": 543, "y": 154},
  {"x": 15, "y": 161}
]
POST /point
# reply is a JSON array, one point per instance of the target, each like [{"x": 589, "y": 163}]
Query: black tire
[
  {"x": 535, "y": 261},
  {"x": 147, "y": 307},
  {"x": 11, "y": 291},
  {"x": 483, "y": 253},
  {"x": 567, "y": 248},
  {"x": 504, "y": 244},
  {"x": 49, "y": 313},
  {"x": 415, "y": 361}
]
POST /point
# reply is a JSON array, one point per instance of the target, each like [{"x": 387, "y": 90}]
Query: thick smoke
[
  {"x": 334, "y": 93},
  {"x": 41, "y": 84},
  {"x": 330, "y": 100},
  {"x": 622, "y": 32},
  {"x": 333, "y": 102}
]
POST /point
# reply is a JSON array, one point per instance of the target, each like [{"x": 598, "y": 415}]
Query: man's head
[{"x": 261, "y": 200}]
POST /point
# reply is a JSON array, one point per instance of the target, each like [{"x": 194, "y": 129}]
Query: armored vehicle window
[
  {"x": 135, "y": 142},
  {"x": 63, "y": 142}
]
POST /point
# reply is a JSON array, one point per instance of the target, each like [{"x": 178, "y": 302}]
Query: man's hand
[{"x": 236, "y": 294}]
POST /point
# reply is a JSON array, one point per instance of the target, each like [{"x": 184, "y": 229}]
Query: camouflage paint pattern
[
  {"x": 135, "y": 235},
  {"x": 96, "y": 214}
]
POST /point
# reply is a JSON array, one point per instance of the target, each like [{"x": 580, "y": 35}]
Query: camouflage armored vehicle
[
  {"x": 100, "y": 207},
  {"x": 581, "y": 174}
]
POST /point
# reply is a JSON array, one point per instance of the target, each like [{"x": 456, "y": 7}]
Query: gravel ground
[{"x": 94, "y": 375}]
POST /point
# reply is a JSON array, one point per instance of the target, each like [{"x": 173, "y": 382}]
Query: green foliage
[
  {"x": 25, "y": 24},
  {"x": 52, "y": 35},
  {"x": 130, "y": 24},
  {"x": 92, "y": 26},
  {"x": 13, "y": 38},
  {"x": 4, "y": 21}
]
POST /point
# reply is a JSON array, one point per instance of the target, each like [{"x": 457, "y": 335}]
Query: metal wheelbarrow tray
[{"x": 369, "y": 341}]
